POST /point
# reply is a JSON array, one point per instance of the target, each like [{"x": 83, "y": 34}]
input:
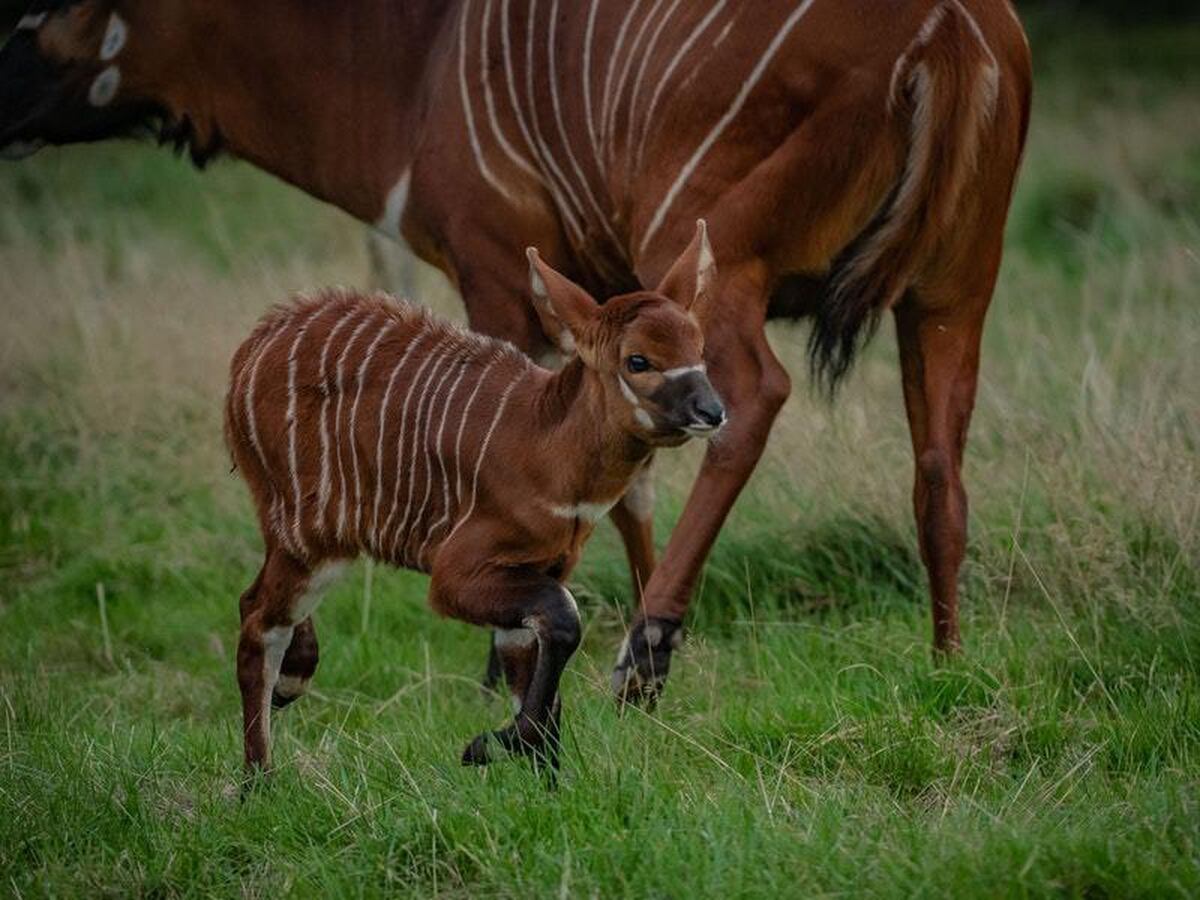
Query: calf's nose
[{"x": 708, "y": 411}]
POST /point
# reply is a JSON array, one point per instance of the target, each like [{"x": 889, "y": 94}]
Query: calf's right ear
[{"x": 565, "y": 310}]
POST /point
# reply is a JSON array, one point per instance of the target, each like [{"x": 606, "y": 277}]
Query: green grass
[{"x": 807, "y": 743}]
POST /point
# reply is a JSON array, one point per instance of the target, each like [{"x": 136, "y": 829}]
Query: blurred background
[{"x": 127, "y": 278}]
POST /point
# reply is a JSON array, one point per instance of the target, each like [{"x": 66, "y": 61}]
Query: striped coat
[{"x": 369, "y": 422}]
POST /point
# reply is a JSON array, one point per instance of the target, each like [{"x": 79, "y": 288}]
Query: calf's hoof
[
  {"x": 288, "y": 689},
  {"x": 645, "y": 660},
  {"x": 479, "y": 751}
]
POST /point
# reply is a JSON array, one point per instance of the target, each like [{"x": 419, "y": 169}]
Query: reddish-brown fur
[
  {"x": 366, "y": 425},
  {"x": 852, "y": 157}
]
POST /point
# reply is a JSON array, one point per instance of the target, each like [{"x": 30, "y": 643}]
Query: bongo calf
[{"x": 366, "y": 425}]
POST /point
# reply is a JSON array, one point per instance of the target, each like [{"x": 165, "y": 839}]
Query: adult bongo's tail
[{"x": 945, "y": 83}]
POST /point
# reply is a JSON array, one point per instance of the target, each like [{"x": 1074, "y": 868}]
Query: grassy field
[{"x": 807, "y": 745}]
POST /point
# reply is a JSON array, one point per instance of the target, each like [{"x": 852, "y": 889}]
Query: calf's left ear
[
  {"x": 692, "y": 280},
  {"x": 564, "y": 308}
]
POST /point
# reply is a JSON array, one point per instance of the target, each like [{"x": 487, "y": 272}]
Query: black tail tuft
[{"x": 849, "y": 314}]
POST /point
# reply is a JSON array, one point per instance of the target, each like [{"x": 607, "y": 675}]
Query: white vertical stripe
[
  {"x": 647, "y": 55},
  {"x": 337, "y": 422},
  {"x": 362, "y": 374},
  {"x": 325, "y": 485},
  {"x": 587, "y": 84},
  {"x": 485, "y": 73},
  {"x": 562, "y": 130},
  {"x": 430, "y": 453},
  {"x": 441, "y": 455},
  {"x": 251, "y": 419},
  {"x": 648, "y": 119},
  {"x": 484, "y": 169},
  {"x": 434, "y": 353},
  {"x": 730, "y": 114},
  {"x": 547, "y": 156},
  {"x": 462, "y": 424},
  {"x": 611, "y": 126},
  {"x": 614, "y": 55},
  {"x": 420, "y": 444},
  {"x": 483, "y": 448},
  {"x": 383, "y": 410},
  {"x": 293, "y": 466},
  {"x": 565, "y": 211}
]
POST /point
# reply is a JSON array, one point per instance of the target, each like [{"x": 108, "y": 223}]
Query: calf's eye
[{"x": 637, "y": 363}]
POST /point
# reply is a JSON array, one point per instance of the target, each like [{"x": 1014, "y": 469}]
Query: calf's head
[
  {"x": 79, "y": 70},
  {"x": 647, "y": 347}
]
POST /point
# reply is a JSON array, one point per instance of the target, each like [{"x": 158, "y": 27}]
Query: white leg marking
[
  {"x": 384, "y": 408},
  {"x": 484, "y": 168},
  {"x": 275, "y": 644},
  {"x": 648, "y": 119},
  {"x": 292, "y": 425},
  {"x": 362, "y": 377},
  {"x": 485, "y": 73},
  {"x": 31, "y": 22},
  {"x": 394, "y": 205},
  {"x": 114, "y": 37},
  {"x": 314, "y": 592},
  {"x": 339, "y": 376},
  {"x": 514, "y": 638},
  {"x": 483, "y": 447},
  {"x": 105, "y": 87},
  {"x": 730, "y": 114},
  {"x": 326, "y": 483},
  {"x": 290, "y": 686}
]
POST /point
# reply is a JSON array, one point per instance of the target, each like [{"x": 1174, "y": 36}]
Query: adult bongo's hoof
[{"x": 645, "y": 660}]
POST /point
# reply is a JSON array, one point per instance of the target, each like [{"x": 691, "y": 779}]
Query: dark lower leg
[{"x": 299, "y": 664}]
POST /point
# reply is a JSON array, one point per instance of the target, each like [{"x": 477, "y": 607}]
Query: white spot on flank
[
  {"x": 31, "y": 22},
  {"x": 730, "y": 114},
  {"x": 105, "y": 87},
  {"x": 393, "y": 207},
  {"x": 114, "y": 37}
]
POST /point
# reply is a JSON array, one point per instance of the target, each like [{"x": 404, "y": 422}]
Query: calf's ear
[
  {"x": 692, "y": 280},
  {"x": 565, "y": 310}
]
